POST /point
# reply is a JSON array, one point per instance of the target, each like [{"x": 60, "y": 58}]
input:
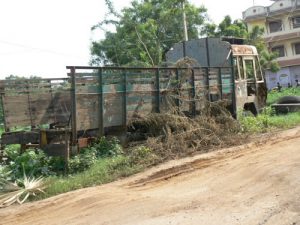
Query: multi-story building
[{"x": 281, "y": 22}]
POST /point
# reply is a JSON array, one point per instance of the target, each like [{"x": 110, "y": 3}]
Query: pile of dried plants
[{"x": 175, "y": 133}]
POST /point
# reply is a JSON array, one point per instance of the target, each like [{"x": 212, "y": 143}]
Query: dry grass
[
  {"x": 176, "y": 132},
  {"x": 173, "y": 135},
  {"x": 13, "y": 193}
]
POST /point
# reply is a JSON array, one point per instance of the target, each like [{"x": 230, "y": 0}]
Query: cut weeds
[{"x": 14, "y": 192}]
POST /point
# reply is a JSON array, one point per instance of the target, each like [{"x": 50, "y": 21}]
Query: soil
[{"x": 258, "y": 183}]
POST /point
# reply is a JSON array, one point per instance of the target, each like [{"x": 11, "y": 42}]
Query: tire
[
  {"x": 251, "y": 108},
  {"x": 289, "y": 100}
]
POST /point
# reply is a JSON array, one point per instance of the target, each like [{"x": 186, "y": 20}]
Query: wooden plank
[
  {"x": 16, "y": 111},
  {"x": 86, "y": 120},
  {"x": 20, "y": 137},
  {"x": 87, "y": 111}
]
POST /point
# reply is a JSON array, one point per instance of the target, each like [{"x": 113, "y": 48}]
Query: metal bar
[
  {"x": 207, "y": 84},
  {"x": 67, "y": 150},
  {"x": 34, "y": 80},
  {"x": 101, "y": 111},
  {"x": 193, "y": 93},
  {"x": 124, "y": 98},
  {"x": 73, "y": 107},
  {"x": 3, "y": 111},
  {"x": 220, "y": 83},
  {"x": 234, "y": 113},
  {"x": 177, "y": 80},
  {"x": 184, "y": 48},
  {"x": 53, "y": 106},
  {"x": 29, "y": 104},
  {"x": 157, "y": 91},
  {"x": 136, "y": 68},
  {"x": 207, "y": 52}
]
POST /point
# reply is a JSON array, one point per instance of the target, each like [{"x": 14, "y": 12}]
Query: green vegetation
[
  {"x": 103, "y": 169},
  {"x": 102, "y": 162},
  {"x": 273, "y": 96},
  {"x": 268, "y": 120}
]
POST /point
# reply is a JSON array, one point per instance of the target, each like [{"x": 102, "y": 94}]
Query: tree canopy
[{"x": 145, "y": 31}]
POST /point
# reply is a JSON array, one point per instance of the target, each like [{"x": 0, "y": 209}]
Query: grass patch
[
  {"x": 103, "y": 171},
  {"x": 273, "y": 96},
  {"x": 267, "y": 121}
]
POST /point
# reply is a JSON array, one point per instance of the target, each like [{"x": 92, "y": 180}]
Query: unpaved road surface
[{"x": 254, "y": 184}]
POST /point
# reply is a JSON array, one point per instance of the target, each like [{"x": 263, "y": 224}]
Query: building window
[
  {"x": 275, "y": 26},
  {"x": 279, "y": 50},
  {"x": 296, "y": 22},
  {"x": 297, "y": 48}
]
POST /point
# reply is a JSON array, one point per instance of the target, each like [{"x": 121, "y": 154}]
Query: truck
[{"x": 61, "y": 116}]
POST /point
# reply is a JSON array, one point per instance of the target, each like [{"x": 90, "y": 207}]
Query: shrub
[
  {"x": 142, "y": 155},
  {"x": 32, "y": 162},
  {"x": 105, "y": 147},
  {"x": 82, "y": 161}
]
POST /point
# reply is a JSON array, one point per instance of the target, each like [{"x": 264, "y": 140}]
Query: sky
[{"x": 42, "y": 37}]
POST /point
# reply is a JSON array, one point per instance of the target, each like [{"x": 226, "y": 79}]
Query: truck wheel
[
  {"x": 289, "y": 99},
  {"x": 251, "y": 107}
]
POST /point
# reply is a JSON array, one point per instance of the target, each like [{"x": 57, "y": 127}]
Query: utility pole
[{"x": 186, "y": 38}]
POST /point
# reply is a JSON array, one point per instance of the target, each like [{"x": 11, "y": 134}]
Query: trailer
[{"x": 63, "y": 115}]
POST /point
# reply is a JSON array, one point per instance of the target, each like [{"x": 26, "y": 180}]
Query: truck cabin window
[
  {"x": 236, "y": 68},
  {"x": 250, "y": 74},
  {"x": 259, "y": 75},
  {"x": 249, "y": 69},
  {"x": 241, "y": 65}
]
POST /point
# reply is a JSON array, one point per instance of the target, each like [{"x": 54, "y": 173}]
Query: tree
[
  {"x": 16, "y": 77},
  {"x": 145, "y": 31},
  {"x": 267, "y": 58},
  {"x": 227, "y": 28}
]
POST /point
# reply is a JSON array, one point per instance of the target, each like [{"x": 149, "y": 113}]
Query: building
[{"x": 281, "y": 22}]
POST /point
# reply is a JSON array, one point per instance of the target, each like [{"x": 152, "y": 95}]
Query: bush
[
  {"x": 82, "y": 161},
  {"x": 32, "y": 162},
  {"x": 142, "y": 155},
  {"x": 11, "y": 152},
  {"x": 101, "y": 148},
  {"x": 105, "y": 147},
  {"x": 267, "y": 120}
]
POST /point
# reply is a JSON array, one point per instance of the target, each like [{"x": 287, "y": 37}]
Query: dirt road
[{"x": 254, "y": 184}]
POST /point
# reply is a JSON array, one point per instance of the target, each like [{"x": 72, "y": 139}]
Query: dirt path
[{"x": 253, "y": 184}]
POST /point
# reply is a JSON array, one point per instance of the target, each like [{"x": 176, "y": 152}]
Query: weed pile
[
  {"x": 178, "y": 131},
  {"x": 174, "y": 135}
]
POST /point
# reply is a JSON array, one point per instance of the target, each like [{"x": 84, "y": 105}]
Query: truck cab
[
  {"x": 249, "y": 82},
  {"x": 241, "y": 79}
]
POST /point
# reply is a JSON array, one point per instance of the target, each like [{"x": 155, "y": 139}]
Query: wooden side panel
[
  {"x": 140, "y": 100},
  {"x": 36, "y": 109},
  {"x": 16, "y": 110},
  {"x": 113, "y": 109},
  {"x": 49, "y": 108},
  {"x": 87, "y": 111}
]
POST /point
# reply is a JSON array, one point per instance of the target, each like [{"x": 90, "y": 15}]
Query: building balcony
[
  {"x": 277, "y": 8},
  {"x": 282, "y": 35},
  {"x": 289, "y": 61}
]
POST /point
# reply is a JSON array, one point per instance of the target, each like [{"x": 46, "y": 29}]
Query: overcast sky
[{"x": 42, "y": 37}]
